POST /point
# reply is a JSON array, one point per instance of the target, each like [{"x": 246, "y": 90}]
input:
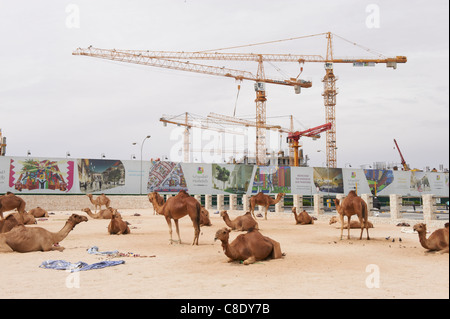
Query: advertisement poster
[
  {"x": 198, "y": 178},
  {"x": 233, "y": 179},
  {"x": 328, "y": 180},
  {"x": 272, "y": 180},
  {"x": 355, "y": 179},
  {"x": 166, "y": 177},
  {"x": 303, "y": 181},
  {"x": 41, "y": 175},
  {"x": 379, "y": 180},
  {"x": 100, "y": 175}
]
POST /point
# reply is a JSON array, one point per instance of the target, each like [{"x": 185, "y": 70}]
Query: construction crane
[
  {"x": 189, "y": 121},
  {"x": 2, "y": 144},
  {"x": 405, "y": 166},
  {"x": 181, "y": 61},
  {"x": 294, "y": 137}
]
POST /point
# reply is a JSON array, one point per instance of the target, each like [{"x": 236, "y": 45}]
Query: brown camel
[
  {"x": 353, "y": 224},
  {"x": 28, "y": 219},
  {"x": 353, "y": 205},
  {"x": 240, "y": 223},
  {"x": 263, "y": 200},
  {"x": 155, "y": 196},
  {"x": 177, "y": 207},
  {"x": 100, "y": 201},
  {"x": 9, "y": 201},
  {"x": 204, "y": 217},
  {"x": 118, "y": 226},
  {"x": 303, "y": 218},
  {"x": 38, "y": 212},
  {"x": 248, "y": 247},
  {"x": 437, "y": 241},
  {"x": 102, "y": 214},
  {"x": 11, "y": 221},
  {"x": 25, "y": 239}
]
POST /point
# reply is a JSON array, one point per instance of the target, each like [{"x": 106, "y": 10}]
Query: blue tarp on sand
[{"x": 79, "y": 266}]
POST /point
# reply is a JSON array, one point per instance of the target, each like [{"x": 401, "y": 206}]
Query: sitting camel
[
  {"x": 303, "y": 218},
  {"x": 11, "y": 221},
  {"x": 100, "y": 201},
  {"x": 38, "y": 212},
  {"x": 240, "y": 223},
  {"x": 102, "y": 214},
  {"x": 118, "y": 226},
  {"x": 353, "y": 223},
  {"x": 204, "y": 217},
  {"x": 437, "y": 241},
  {"x": 248, "y": 247},
  {"x": 177, "y": 207},
  {"x": 9, "y": 201},
  {"x": 353, "y": 205},
  {"x": 263, "y": 200},
  {"x": 27, "y": 239}
]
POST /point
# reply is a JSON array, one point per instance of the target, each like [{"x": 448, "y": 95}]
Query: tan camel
[
  {"x": 102, "y": 214},
  {"x": 11, "y": 221},
  {"x": 155, "y": 196},
  {"x": 9, "y": 201},
  {"x": 353, "y": 205},
  {"x": 353, "y": 224},
  {"x": 38, "y": 212},
  {"x": 263, "y": 200},
  {"x": 100, "y": 201},
  {"x": 437, "y": 241},
  {"x": 25, "y": 239},
  {"x": 240, "y": 223},
  {"x": 118, "y": 226},
  {"x": 204, "y": 217},
  {"x": 177, "y": 207},
  {"x": 302, "y": 218},
  {"x": 248, "y": 247}
]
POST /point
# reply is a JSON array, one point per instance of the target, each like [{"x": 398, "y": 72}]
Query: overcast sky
[{"x": 52, "y": 102}]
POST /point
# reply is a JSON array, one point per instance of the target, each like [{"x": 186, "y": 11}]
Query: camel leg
[
  {"x": 250, "y": 260},
  {"x": 265, "y": 214},
  {"x": 341, "y": 218},
  {"x": 169, "y": 223},
  {"x": 348, "y": 226},
  {"x": 178, "y": 230}
]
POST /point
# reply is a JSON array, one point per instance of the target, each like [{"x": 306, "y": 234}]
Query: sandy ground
[{"x": 317, "y": 264}]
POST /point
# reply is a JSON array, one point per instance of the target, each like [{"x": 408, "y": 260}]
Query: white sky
[{"x": 52, "y": 102}]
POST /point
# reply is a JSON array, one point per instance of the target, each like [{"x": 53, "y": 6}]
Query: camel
[
  {"x": 8, "y": 223},
  {"x": 100, "y": 201},
  {"x": 118, "y": 226},
  {"x": 28, "y": 219},
  {"x": 353, "y": 205},
  {"x": 248, "y": 247},
  {"x": 177, "y": 207},
  {"x": 303, "y": 218},
  {"x": 204, "y": 217},
  {"x": 9, "y": 201},
  {"x": 353, "y": 223},
  {"x": 240, "y": 223},
  {"x": 437, "y": 241},
  {"x": 38, "y": 212},
  {"x": 263, "y": 200},
  {"x": 102, "y": 214},
  {"x": 155, "y": 196},
  {"x": 25, "y": 239}
]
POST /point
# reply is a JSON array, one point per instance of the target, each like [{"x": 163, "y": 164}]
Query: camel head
[
  {"x": 86, "y": 210},
  {"x": 222, "y": 234},
  {"x": 421, "y": 227},
  {"x": 294, "y": 209},
  {"x": 89, "y": 195},
  {"x": 333, "y": 220},
  {"x": 75, "y": 219},
  {"x": 223, "y": 213},
  {"x": 446, "y": 225},
  {"x": 115, "y": 213},
  {"x": 280, "y": 195}
]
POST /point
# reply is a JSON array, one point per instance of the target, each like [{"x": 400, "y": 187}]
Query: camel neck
[
  {"x": 423, "y": 239},
  {"x": 59, "y": 236}
]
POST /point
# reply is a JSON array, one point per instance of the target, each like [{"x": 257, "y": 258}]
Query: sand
[{"x": 317, "y": 264}]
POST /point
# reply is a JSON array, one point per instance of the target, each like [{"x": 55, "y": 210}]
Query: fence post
[
  {"x": 279, "y": 207},
  {"x": 395, "y": 203},
  {"x": 220, "y": 202},
  {"x": 298, "y": 202},
  {"x": 368, "y": 199},
  {"x": 428, "y": 207},
  {"x": 318, "y": 204},
  {"x": 208, "y": 201},
  {"x": 199, "y": 198},
  {"x": 233, "y": 201},
  {"x": 246, "y": 202}
]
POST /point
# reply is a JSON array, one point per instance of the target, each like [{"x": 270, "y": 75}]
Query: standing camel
[
  {"x": 177, "y": 207},
  {"x": 353, "y": 205},
  {"x": 99, "y": 201},
  {"x": 438, "y": 240},
  {"x": 263, "y": 200},
  {"x": 8, "y": 202}
]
